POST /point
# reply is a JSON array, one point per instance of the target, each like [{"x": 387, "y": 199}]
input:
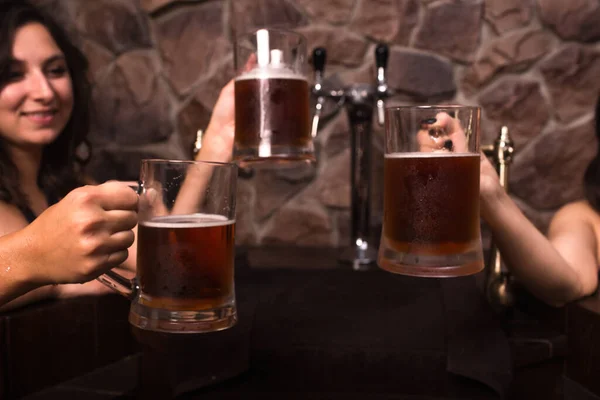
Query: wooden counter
[
  {"x": 51, "y": 342},
  {"x": 583, "y": 363}
]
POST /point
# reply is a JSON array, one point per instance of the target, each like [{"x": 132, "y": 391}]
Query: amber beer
[
  {"x": 272, "y": 116},
  {"x": 431, "y": 203},
  {"x": 185, "y": 262}
]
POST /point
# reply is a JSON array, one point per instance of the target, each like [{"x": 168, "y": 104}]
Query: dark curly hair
[
  {"x": 591, "y": 178},
  {"x": 60, "y": 169}
]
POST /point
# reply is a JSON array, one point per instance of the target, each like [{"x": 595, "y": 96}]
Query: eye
[
  {"x": 14, "y": 73},
  {"x": 57, "y": 71},
  {"x": 14, "y": 76}
]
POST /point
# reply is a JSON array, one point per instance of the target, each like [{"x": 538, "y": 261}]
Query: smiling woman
[
  {"x": 56, "y": 233},
  {"x": 53, "y": 229},
  {"x": 44, "y": 106}
]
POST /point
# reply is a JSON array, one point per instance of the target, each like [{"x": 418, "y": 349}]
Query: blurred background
[{"x": 157, "y": 67}]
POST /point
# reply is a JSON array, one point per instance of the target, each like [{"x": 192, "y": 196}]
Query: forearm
[
  {"x": 215, "y": 147},
  {"x": 528, "y": 254},
  {"x": 42, "y": 293},
  {"x": 217, "y": 142},
  {"x": 18, "y": 277}
]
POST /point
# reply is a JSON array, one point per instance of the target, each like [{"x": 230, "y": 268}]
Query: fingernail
[
  {"x": 436, "y": 131},
  {"x": 429, "y": 121}
]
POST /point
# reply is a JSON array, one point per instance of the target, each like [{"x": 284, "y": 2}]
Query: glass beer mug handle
[{"x": 124, "y": 286}]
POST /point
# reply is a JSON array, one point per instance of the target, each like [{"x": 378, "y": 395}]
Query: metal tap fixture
[
  {"x": 499, "y": 285},
  {"x": 360, "y": 100}
]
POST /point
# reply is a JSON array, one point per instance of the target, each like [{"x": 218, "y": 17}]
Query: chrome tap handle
[
  {"x": 500, "y": 285},
  {"x": 381, "y": 60},
  {"x": 198, "y": 142},
  {"x": 382, "y": 53},
  {"x": 319, "y": 58},
  {"x": 504, "y": 149}
]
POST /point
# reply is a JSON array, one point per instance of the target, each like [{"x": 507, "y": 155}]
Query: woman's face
[{"x": 37, "y": 101}]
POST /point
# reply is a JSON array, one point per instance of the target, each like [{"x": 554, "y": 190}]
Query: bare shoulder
[
  {"x": 579, "y": 211},
  {"x": 11, "y": 219},
  {"x": 577, "y": 221}
]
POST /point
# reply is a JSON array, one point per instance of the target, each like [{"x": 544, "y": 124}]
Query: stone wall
[{"x": 157, "y": 67}]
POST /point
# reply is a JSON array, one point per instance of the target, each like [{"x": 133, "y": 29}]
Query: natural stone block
[
  {"x": 451, "y": 28},
  {"x": 131, "y": 103},
  {"x": 420, "y": 75},
  {"x": 151, "y": 6},
  {"x": 366, "y": 73},
  {"x": 333, "y": 184},
  {"x": 190, "y": 119},
  {"x": 98, "y": 57},
  {"x": 118, "y": 26},
  {"x": 489, "y": 130},
  {"x": 513, "y": 52},
  {"x": 571, "y": 74},
  {"x": 272, "y": 192},
  {"x": 342, "y": 47},
  {"x": 408, "y": 19},
  {"x": 208, "y": 90},
  {"x": 518, "y": 104},
  {"x": 301, "y": 173},
  {"x": 337, "y": 135},
  {"x": 549, "y": 173},
  {"x": 197, "y": 112},
  {"x": 540, "y": 218},
  {"x": 336, "y": 12},
  {"x": 378, "y": 130},
  {"x": 191, "y": 41},
  {"x": 109, "y": 162},
  {"x": 301, "y": 223},
  {"x": 63, "y": 13},
  {"x": 247, "y": 15},
  {"x": 343, "y": 222},
  {"x": 245, "y": 228},
  {"x": 506, "y": 15},
  {"x": 386, "y": 20},
  {"x": 572, "y": 19}
]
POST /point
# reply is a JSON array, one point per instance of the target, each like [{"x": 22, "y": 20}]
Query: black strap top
[{"x": 30, "y": 215}]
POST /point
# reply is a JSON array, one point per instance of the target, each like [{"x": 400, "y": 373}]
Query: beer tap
[
  {"x": 360, "y": 100},
  {"x": 319, "y": 59},
  {"x": 383, "y": 91},
  {"x": 499, "y": 285}
]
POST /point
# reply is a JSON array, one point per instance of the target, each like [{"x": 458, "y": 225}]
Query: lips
[{"x": 42, "y": 117}]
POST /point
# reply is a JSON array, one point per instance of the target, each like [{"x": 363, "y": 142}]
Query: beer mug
[
  {"x": 431, "y": 192},
  {"x": 185, "y": 248},
  {"x": 272, "y": 121}
]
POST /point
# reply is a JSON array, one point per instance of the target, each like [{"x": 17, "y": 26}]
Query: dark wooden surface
[
  {"x": 583, "y": 329},
  {"x": 76, "y": 337},
  {"x": 51, "y": 342}
]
